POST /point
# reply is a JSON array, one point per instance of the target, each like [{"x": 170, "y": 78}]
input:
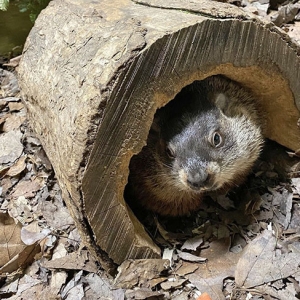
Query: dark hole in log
[{"x": 273, "y": 162}]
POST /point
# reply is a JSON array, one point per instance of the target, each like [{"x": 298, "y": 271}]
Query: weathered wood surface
[{"x": 93, "y": 74}]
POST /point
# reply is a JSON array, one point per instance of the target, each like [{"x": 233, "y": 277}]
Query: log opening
[{"x": 105, "y": 68}]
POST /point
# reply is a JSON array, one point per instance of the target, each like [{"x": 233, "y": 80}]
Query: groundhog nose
[{"x": 197, "y": 180}]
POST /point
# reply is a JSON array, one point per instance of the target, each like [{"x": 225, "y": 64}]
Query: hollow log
[{"x": 93, "y": 73}]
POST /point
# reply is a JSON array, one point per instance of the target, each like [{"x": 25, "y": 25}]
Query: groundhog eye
[
  {"x": 217, "y": 139},
  {"x": 170, "y": 151}
]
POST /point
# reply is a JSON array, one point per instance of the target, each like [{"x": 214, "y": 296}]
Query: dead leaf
[
  {"x": 26, "y": 282},
  {"x": 60, "y": 251},
  {"x": 169, "y": 254},
  {"x": 186, "y": 268},
  {"x": 3, "y": 104},
  {"x": 12, "y": 99},
  {"x": 173, "y": 283},
  {"x": 155, "y": 281},
  {"x": 260, "y": 264},
  {"x": 26, "y": 188},
  {"x": 6, "y": 184},
  {"x": 190, "y": 257},
  {"x": 296, "y": 185},
  {"x": 76, "y": 292},
  {"x": 192, "y": 243},
  {"x": 58, "y": 280},
  {"x": 10, "y": 238},
  {"x": 15, "y": 106},
  {"x": 22, "y": 259},
  {"x": 279, "y": 290},
  {"x": 13, "y": 122},
  {"x": 18, "y": 167},
  {"x": 20, "y": 209},
  {"x": 220, "y": 264},
  {"x": 139, "y": 271},
  {"x": 3, "y": 119},
  {"x": 11, "y": 147},
  {"x": 3, "y": 171},
  {"x": 74, "y": 238},
  {"x": 75, "y": 282},
  {"x": 141, "y": 294},
  {"x": 285, "y": 14},
  {"x": 10, "y": 288},
  {"x": 56, "y": 214},
  {"x": 30, "y": 237},
  {"x": 283, "y": 203},
  {"x": 80, "y": 260},
  {"x": 100, "y": 285}
]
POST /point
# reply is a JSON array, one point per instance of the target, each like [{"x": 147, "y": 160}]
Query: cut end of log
[{"x": 101, "y": 75}]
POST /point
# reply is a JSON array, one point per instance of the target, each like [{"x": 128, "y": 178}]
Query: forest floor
[{"x": 244, "y": 245}]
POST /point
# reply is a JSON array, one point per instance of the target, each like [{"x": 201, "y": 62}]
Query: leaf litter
[{"x": 244, "y": 245}]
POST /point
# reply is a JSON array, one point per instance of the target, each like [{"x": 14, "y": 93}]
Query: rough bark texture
[{"x": 93, "y": 74}]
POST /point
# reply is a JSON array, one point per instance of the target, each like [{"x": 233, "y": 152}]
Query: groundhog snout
[{"x": 197, "y": 180}]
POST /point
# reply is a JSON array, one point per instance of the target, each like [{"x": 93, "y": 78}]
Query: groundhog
[{"x": 205, "y": 140}]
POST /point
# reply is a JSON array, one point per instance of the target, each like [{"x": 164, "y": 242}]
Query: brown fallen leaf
[
  {"x": 169, "y": 254},
  {"x": 260, "y": 263},
  {"x": 11, "y": 147},
  {"x": 296, "y": 185},
  {"x": 56, "y": 214},
  {"x": 15, "y": 106},
  {"x": 32, "y": 233},
  {"x": 26, "y": 188},
  {"x": 75, "y": 284},
  {"x": 80, "y": 260},
  {"x": 3, "y": 119},
  {"x": 155, "y": 281},
  {"x": 285, "y": 14},
  {"x": 6, "y": 184},
  {"x": 220, "y": 264},
  {"x": 100, "y": 285},
  {"x": 282, "y": 207},
  {"x": 172, "y": 283},
  {"x": 186, "y": 268},
  {"x": 22, "y": 260},
  {"x": 3, "y": 104},
  {"x": 143, "y": 293},
  {"x": 13, "y": 122},
  {"x": 139, "y": 272},
  {"x": 14, "y": 254},
  {"x": 190, "y": 257},
  {"x": 279, "y": 290},
  {"x": 10, "y": 238},
  {"x": 192, "y": 243},
  {"x": 18, "y": 167},
  {"x": 20, "y": 209},
  {"x": 3, "y": 171}
]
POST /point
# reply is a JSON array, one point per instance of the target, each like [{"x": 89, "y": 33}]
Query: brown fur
[{"x": 202, "y": 114}]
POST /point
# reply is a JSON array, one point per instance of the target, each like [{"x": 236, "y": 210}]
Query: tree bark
[{"x": 93, "y": 74}]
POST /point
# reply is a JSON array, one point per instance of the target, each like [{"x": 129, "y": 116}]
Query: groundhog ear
[{"x": 221, "y": 101}]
